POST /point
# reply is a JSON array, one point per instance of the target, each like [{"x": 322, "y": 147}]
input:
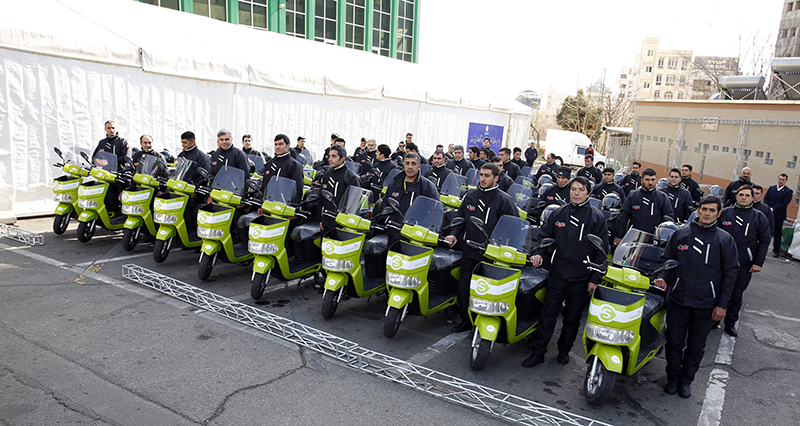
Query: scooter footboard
[
  {"x": 488, "y": 327},
  {"x": 610, "y": 356}
]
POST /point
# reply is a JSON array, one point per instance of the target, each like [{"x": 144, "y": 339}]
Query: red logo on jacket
[
  {"x": 561, "y": 224},
  {"x": 683, "y": 247}
]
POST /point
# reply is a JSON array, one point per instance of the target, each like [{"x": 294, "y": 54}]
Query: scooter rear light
[
  {"x": 165, "y": 218},
  {"x": 403, "y": 281},
  {"x": 608, "y": 335},
  {"x": 87, "y": 204},
  {"x": 66, "y": 198},
  {"x": 128, "y": 209},
  {"x": 210, "y": 233},
  {"x": 262, "y": 248},
  {"x": 486, "y": 307},
  {"x": 336, "y": 265}
]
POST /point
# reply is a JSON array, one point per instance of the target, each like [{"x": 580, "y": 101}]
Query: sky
[{"x": 501, "y": 47}]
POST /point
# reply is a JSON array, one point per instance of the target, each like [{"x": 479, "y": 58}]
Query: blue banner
[{"x": 478, "y": 132}]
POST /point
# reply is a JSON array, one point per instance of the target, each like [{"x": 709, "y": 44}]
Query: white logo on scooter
[
  {"x": 607, "y": 313},
  {"x": 615, "y": 359},
  {"x": 490, "y": 328},
  {"x": 397, "y": 298}
]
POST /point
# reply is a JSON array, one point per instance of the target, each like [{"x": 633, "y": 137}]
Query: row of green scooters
[{"x": 418, "y": 273}]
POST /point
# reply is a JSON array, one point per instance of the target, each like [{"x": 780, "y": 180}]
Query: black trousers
[
  {"x": 576, "y": 296},
  {"x": 735, "y": 304},
  {"x": 777, "y": 235},
  {"x": 687, "y": 329},
  {"x": 467, "y": 265}
]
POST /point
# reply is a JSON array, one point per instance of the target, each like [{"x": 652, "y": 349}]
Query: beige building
[
  {"x": 718, "y": 138},
  {"x": 660, "y": 73},
  {"x": 788, "y": 42}
]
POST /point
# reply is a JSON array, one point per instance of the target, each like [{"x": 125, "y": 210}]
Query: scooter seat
[
  {"x": 306, "y": 231},
  {"x": 377, "y": 245},
  {"x": 532, "y": 279},
  {"x": 652, "y": 304},
  {"x": 445, "y": 259}
]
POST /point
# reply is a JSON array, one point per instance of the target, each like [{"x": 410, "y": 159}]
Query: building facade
[
  {"x": 788, "y": 43},
  {"x": 385, "y": 27},
  {"x": 660, "y": 73}
]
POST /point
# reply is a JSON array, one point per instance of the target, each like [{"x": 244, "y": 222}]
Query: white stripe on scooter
[
  {"x": 435, "y": 349},
  {"x": 711, "y": 413}
]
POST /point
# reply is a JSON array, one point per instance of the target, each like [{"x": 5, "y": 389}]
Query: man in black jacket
[
  {"x": 503, "y": 181},
  {"x": 690, "y": 184},
  {"x": 700, "y": 294},
  {"x": 111, "y": 143},
  {"x": 412, "y": 147},
  {"x": 778, "y": 197},
  {"x": 531, "y": 154},
  {"x": 487, "y": 145},
  {"x": 607, "y": 186},
  {"x": 192, "y": 152},
  {"x": 750, "y": 229},
  {"x": 489, "y": 204},
  {"x": 730, "y": 191},
  {"x": 760, "y": 206},
  {"x": 475, "y": 157},
  {"x": 335, "y": 180},
  {"x": 383, "y": 165},
  {"x": 404, "y": 188},
  {"x": 146, "y": 142},
  {"x": 589, "y": 171},
  {"x": 438, "y": 172},
  {"x": 570, "y": 280},
  {"x": 509, "y": 168},
  {"x": 517, "y": 153},
  {"x": 459, "y": 165},
  {"x": 680, "y": 200},
  {"x": 247, "y": 146},
  {"x": 632, "y": 180},
  {"x": 228, "y": 155},
  {"x": 646, "y": 207},
  {"x": 283, "y": 165},
  {"x": 549, "y": 167}
]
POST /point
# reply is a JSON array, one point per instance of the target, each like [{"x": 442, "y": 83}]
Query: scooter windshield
[
  {"x": 309, "y": 159},
  {"x": 510, "y": 231},
  {"x": 258, "y": 161},
  {"x": 523, "y": 180},
  {"x": 148, "y": 165},
  {"x": 452, "y": 185},
  {"x": 106, "y": 161},
  {"x": 473, "y": 177},
  {"x": 353, "y": 166},
  {"x": 425, "y": 212},
  {"x": 355, "y": 200},
  {"x": 390, "y": 177},
  {"x": 280, "y": 190},
  {"x": 229, "y": 179},
  {"x": 517, "y": 192},
  {"x": 596, "y": 203},
  {"x": 642, "y": 257},
  {"x": 527, "y": 172},
  {"x": 185, "y": 170},
  {"x": 640, "y": 237}
]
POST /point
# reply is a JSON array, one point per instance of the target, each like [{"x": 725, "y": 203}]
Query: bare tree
[{"x": 540, "y": 122}]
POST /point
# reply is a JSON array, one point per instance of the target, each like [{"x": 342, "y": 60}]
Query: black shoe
[
  {"x": 684, "y": 391},
  {"x": 776, "y": 254},
  {"x": 671, "y": 388},
  {"x": 533, "y": 360},
  {"x": 563, "y": 358},
  {"x": 716, "y": 324},
  {"x": 731, "y": 330},
  {"x": 461, "y": 327}
]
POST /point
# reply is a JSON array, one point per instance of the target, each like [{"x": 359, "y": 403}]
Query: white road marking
[
  {"x": 36, "y": 256},
  {"x": 711, "y": 413},
  {"x": 725, "y": 351},
  {"x": 114, "y": 259},
  {"x": 773, "y": 315},
  {"x": 435, "y": 349}
]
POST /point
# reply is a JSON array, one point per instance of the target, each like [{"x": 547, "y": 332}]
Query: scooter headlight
[
  {"x": 210, "y": 233},
  {"x": 87, "y": 204},
  {"x": 262, "y": 248},
  {"x": 486, "y": 307},
  {"x": 336, "y": 265},
  {"x": 403, "y": 281},
  {"x": 128, "y": 209},
  {"x": 165, "y": 218},
  {"x": 608, "y": 335},
  {"x": 65, "y": 198}
]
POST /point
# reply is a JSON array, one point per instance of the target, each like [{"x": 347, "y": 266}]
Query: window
[
  {"x": 670, "y": 80},
  {"x": 684, "y": 65},
  {"x": 792, "y": 164},
  {"x": 682, "y": 79},
  {"x": 792, "y": 32},
  {"x": 325, "y": 21},
  {"x": 685, "y": 147},
  {"x": 662, "y": 140},
  {"x": 657, "y": 94},
  {"x": 405, "y": 30},
  {"x": 295, "y": 18},
  {"x": 169, "y": 4},
  {"x": 648, "y": 137},
  {"x": 647, "y": 85},
  {"x": 215, "y": 9},
  {"x": 768, "y": 160},
  {"x": 658, "y": 80},
  {"x": 759, "y": 154},
  {"x": 669, "y": 141},
  {"x": 381, "y": 26},
  {"x": 672, "y": 64},
  {"x": 253, "y": 13},
  {"x": 746, "y": 152},
  {"x": 697, "y": 148},
  {"x": 680, "y": 95},
  {"x": 783, "y": 33},
  {"x": 660, "y": 63},
  {"x": 733, "y": 150},
  {"x": 667, "y": 95},
  {"x": 648, "y": 69},
  {"x": 715, "y": 148},
  {"x": 789, "y": 6},
  {"x": 355, "y": 23},
  {"x": 725, "y": 149},
  {"x": 649, "y": 53}
]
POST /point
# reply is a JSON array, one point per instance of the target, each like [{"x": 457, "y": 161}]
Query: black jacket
[
  {"x": 763, "y": 208},
  {"x": 645, "y": 210},
  {"x": 708, "y": 266},
  {"x": 750, "y": 229},
  {"x": 286, "y": 167},
  {"x": 605, "y": 188},
  {"x": 379, "y": 172},
  {"x": 461, "y": 166},
  {"x": 201, "y": 158},
  {"x": 504, "y": 182},
  {"x": 549, "y": 169},
  {"x": 681, "y": 202},
  {"x": 631, "y": 182},
  {"x": 115, "y": 145},
  {"x": 693, "y": 187},
  {"x": 591, "y": 173},
  {"x": 138, "y": 156},
  {"x": 405, "y": 193},
  {"x": 729, "y": 198},
  {"x": 232, "y": 157},
  {"x": 335, "y": 181},
  {"x": 437, "y": 175},
  {"x": 569, "y": 225},
  {"x": 476, "y": 163},
  {"x": 511, "y": 169},
  {"x": 556, "y": 194},
  {"x": 489, "y": 206},
  {"x": 367, "y": 161},
  {"x": 778, "y": 201},
  {"x": 252, "y": 151}
]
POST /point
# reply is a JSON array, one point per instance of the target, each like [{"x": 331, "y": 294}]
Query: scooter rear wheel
[
  {"x": 392, "y": 322},
  {"x": 60, "y": 223},
  {"x": 161, "y": 250},
  {"x": 480, "y": 354},
  {"x": 329, "y": 304},
  {"x": 597, "y": 386},
  {"x": 86, "y": 231},
  {"x": 129, "y": 239},
  {"x": 206, "y": 265}
]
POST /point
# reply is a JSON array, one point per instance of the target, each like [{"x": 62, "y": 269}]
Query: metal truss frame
[
  {"x": 749, "y": 122},
  {"x": 462, "y": 392},
  {"x": 27, "y": 237}
]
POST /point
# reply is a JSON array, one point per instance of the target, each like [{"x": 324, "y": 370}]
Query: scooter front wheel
[
  {"x": 480, "y": 353},
  {"x": 598, "y": 383},
  {"x": 86, "y": 231},
  {"x": 329, "y": 304},
  {"x": 258, "y": 283},
  {"x": 60, "y": 223},
  {"x": 129, "y": 239},
  {"x": 206, "y": 265},
  {"x": 392, "y": 322},
  {"x": 161, "y": 250}
]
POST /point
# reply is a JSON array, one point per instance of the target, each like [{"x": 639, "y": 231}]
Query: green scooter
[
  {"x": 421, "y": 278},
  {"x": 229, "y": 189},
  {"x": 505, "y": 297},
  {"x": 627, "y": 316},
  {"x": 65, "y": 191},
  {"x": 450, "y": 194},
  {"x": 138, "y": 199},
  {"x": 91, "y": 197},
  {"x": 269, "y": 238}
]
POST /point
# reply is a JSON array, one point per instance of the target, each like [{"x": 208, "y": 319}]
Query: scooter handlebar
[{"x": 595, "y": 267}]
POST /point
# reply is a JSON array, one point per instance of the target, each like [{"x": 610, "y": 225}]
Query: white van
[{"x": 570, "y": 148}]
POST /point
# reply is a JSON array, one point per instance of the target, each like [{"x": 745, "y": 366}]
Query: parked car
[{"x": 570, "y": 148}]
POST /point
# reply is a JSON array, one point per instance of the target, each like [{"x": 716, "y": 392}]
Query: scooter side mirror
[
  {"x": 58, "y": 151},
  {"x": 547, "y": 242},
  {"x": 479, "y": 224},
  {"x": 671, "y": 264},
  {"x": 252, "y": 184},
  {"x": 310, "y": 198},
  {"x": 457, "y": 221},
  {"x": 162, "y": 164},
  {"x": 85, "y": 157},
  {"x": 393, "y": 204},
  {"x": 596, "y": 241},
  {"x": 327, "y": 196},
  {"x": 203, "y": 173}
]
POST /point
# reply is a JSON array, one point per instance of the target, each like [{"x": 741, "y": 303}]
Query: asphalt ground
[{"x": 82, "y": 345}]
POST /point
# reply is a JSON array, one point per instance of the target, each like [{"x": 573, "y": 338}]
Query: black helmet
[
  {"x": 662, "y": 183},
  {"x": 611, "y": 202},
  {"x": 716, "y": 191},
  {"x": 545, "y": 179},
  {"x": 664, "y": 231},
  {"x": 547, "y": 212},
  {"x": 167, "y": 156}
]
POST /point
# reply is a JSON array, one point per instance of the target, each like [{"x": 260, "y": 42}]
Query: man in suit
[{"x": 778, "y": 198}]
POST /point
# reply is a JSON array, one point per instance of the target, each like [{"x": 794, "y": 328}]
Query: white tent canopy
[{"x": 67, "y": 66}]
